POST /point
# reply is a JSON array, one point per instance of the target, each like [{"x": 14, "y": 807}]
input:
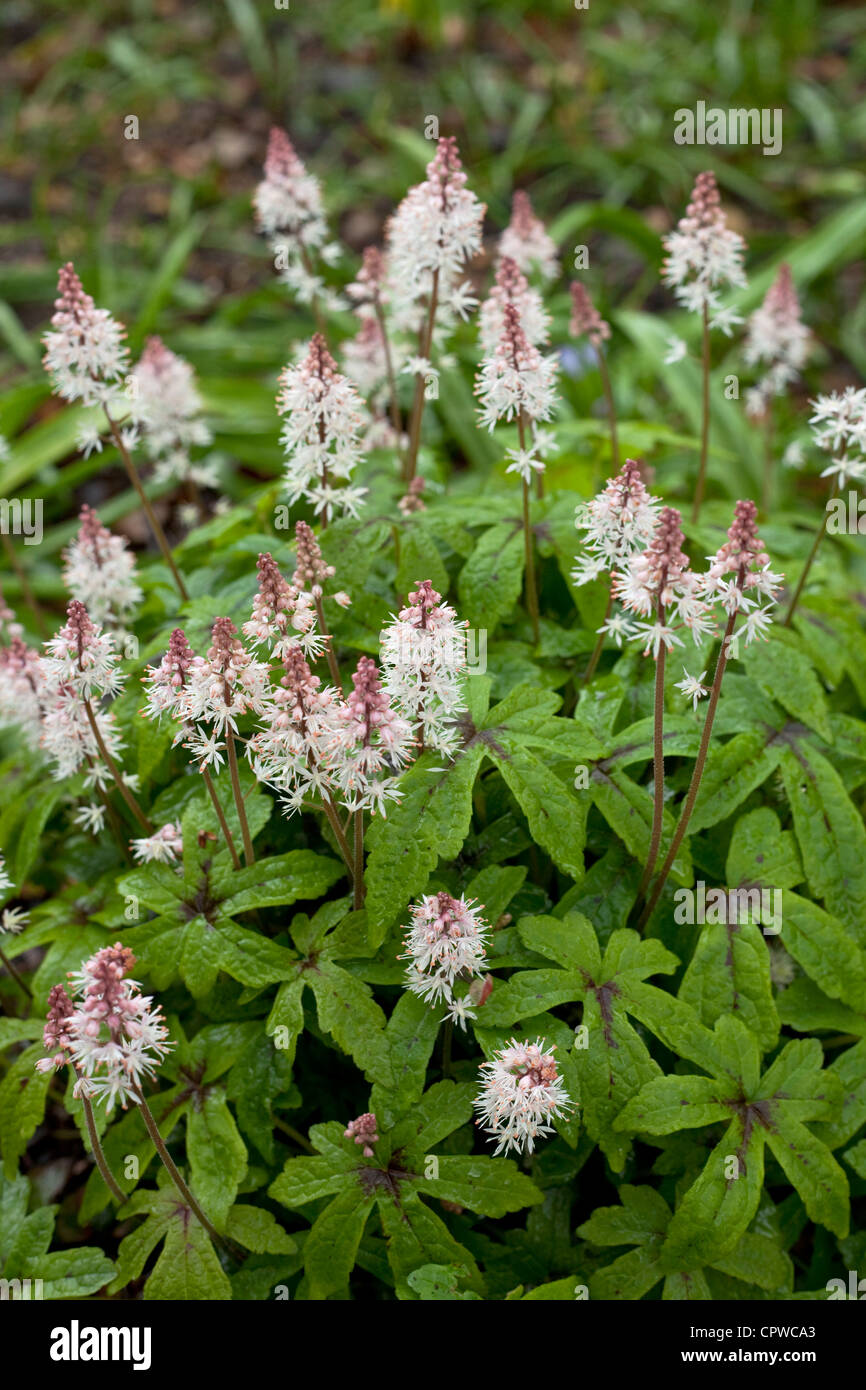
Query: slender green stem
[
  {"x": 115, "y": 771},
  {"x": 314, "y": 302},
  {"x": 249, "y": 855},
  {"x": 333, "y": 665},
  {"x": 22, "y": 984},
  {"x": 705, "y": 420},
  {"x": 529, "y": 548},
  {"x": 358, "y": 857},
  {"x": 221, "y": 817},
  {"x": 808, "y": 565},
  {"x": 531, "y": 584},
  {"x": 597, "y": 649},
  {"x": 658, "y": 760},
  {"x": 96, "y": 1147},
  {"x": 339, "y": 833},
  {"x": 113, "y": 820},
  {"x": 611, "y": 408},
  {"x": 153, "y": 1130},
  {"x": 294, "y": 1134},
  {"x": 697, "y": 774},
  {"x": 396, "y": 419},
  {"x": 156, "y": 528}
]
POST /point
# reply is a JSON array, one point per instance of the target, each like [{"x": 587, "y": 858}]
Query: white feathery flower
[
  {"x": 423, "y": 655},
  {"x": 527, "y": 242},
  {"x": 525, "y": 463},
  {"x": 516, "y": 381},
  {"x": 726, "y": 320},
  {"x": 166, "y": 404},
  {"x": 88, "y": 439},
  {"x": 794, "y": 455},
  {"x": 691, "y": 687},
  {"x": 619, "y": 628},
  {"x": 21, "y": 684},
  {"x": 512, "y": 287},
  {"x": 99, "y": 569},
  {"x": 703, "y": 252},
  {"x": 5, "y": 881},
  {"x": 521, "y": 1093},
  {"x": 446, "y": 941},
  {"x": 839, "y": 420},
  {"x": 292, "y": 750},
  {"x": 844, "y": 470},
  {"x": 372, "y": 743},
  {"x": 321, "y": 434},
  {"x": 777, "y": 337},
  {"x": 617, "y": 522},
  {"x": 433, "y": 233},
  {"x": 91, "y": 818},
  {"x": 85, "y": 354},
  {"x": 13, "y": 920},
  {"x": 677, "y": 350},
  {"x": 164, "y": 846},
  {"x": 109, "y": 1032}
]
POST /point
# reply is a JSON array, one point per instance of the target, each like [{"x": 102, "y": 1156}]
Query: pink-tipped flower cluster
[
  {"x": 776, "y": 335},
  {"x": 511, "y": 286},
  {"x": 521, "y": 1093},
  {"x": 80, "y": 665},
  {"x": 423, "y": 652},
  {"x": 373, "y": 743},
  {"x": 517, "y": 382},
  {"x": 21, "y": 683},
  {"x": 284, "y": 616},
  {"x": 165, "y": 846},
  {"x": 294, "y": 749},
  {"x": 433, "y": 233},
  {"x": 166, "y": 404},
  {"x": 658, "y": 582},
  {"x": 85, "y": 354},
  {"x": 321, "y": 435},
  {"x": 618, "y": 521},
  {"x": 526, "y": 240},
  {"x": 99, "y": 570},
  {"x": 585, "y": 318},
  {"x": 740, "y": 580},
  {"x": 108, "y": 1031},
  {"x": 364, "y": 1132},
  {"x": 704, "y": 254},
  {"x": 446, "y": 942}
]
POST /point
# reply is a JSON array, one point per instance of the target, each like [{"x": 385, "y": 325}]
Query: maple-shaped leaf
[
  {"x": 757, "y": 1110},
  {"x": 611, "y": 1059},
  {"x": 643, "y": 1221}
]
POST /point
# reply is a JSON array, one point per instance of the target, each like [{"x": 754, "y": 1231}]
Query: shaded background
[{"x": 575, "y": 105}]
